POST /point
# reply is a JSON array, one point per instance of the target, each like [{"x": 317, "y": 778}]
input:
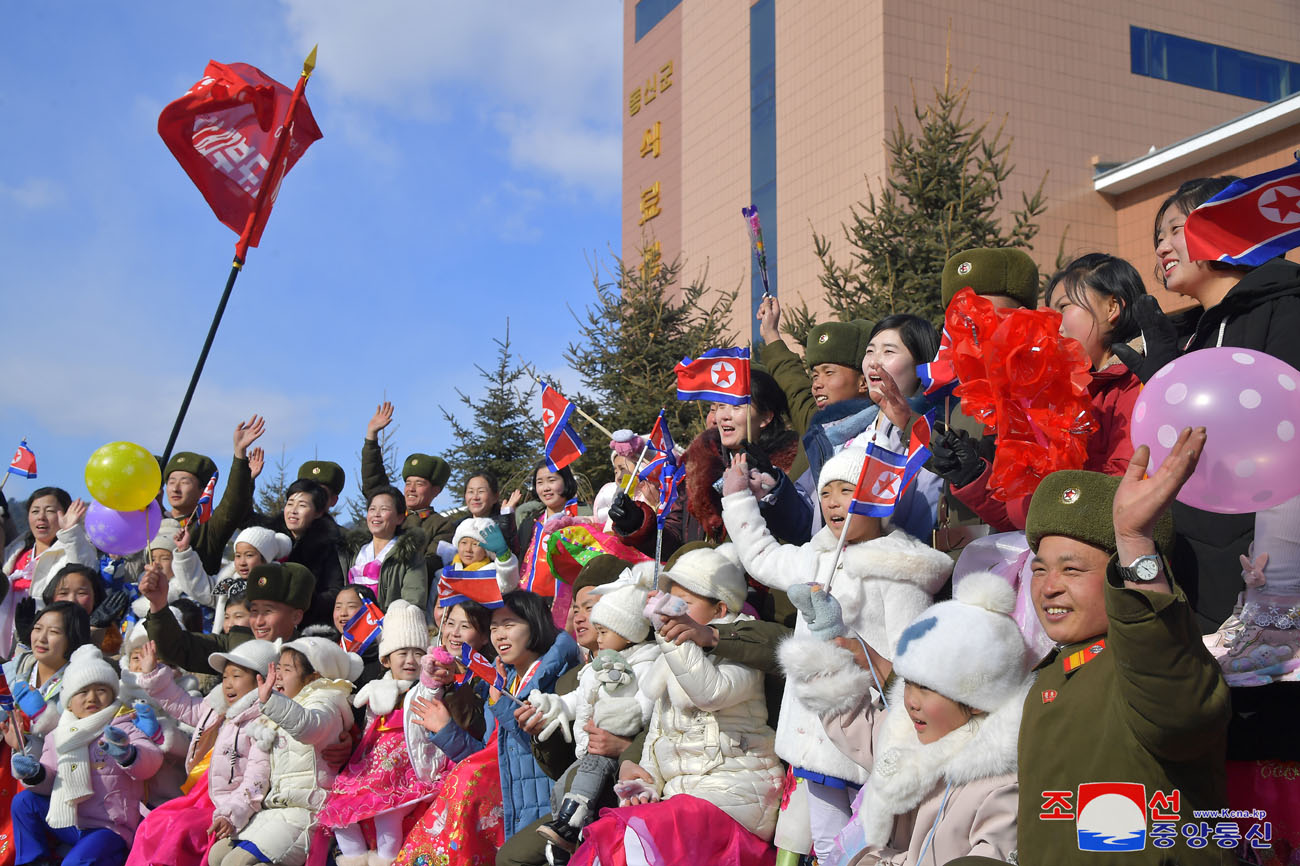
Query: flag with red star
[
  {"x": 719, "y": 376},
  {"x": 1253, "y": 220}
]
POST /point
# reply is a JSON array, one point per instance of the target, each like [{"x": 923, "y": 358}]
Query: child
[
  {"x": 304, "y": 702},
  {"x": 380, "y": 782},
  {"x": 83, "y": 585},
  {"x": 233, "y": 604},
  {"x": 346, "y": 604},
  {"x": 161, "y": 726},
  {"x": 479, "y": 545},
  {"x": 237, "y": 766},
  {"x": 87, "y": 786},
  {"x": 707, "y": 787},
  {"x": 607, "y": 695},
  {"x": 392, "y": 562},
  {"x": 882, "y": 583},
  {"x": 943, "y": 753},
  {"x": 254, "y": 546}
]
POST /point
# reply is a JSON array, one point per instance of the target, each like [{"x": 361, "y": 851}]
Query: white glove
[{"x": 554, "y": 713}]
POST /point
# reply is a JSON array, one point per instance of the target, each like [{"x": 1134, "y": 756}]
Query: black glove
[
  {"x": 757, "y": 458},
  {"x": 954, "y": 456},
  {"x": 110, "y": 610},
  {"x": 625, "y": 515},
  {"x": 1158, "y": 333}
]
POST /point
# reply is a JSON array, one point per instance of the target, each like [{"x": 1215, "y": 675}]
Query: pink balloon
[
  {"x": 1249, "y": 405},
  {"x": 122, "y": 533}
]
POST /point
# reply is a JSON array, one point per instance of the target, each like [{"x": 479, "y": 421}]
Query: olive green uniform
[
  {"x": 208, "y": 540},
  {"x": 435, "y": 526}
]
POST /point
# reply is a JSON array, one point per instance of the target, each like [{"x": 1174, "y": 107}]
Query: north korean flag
[
  {"x": 719, "y": 376},
  {"x": 24, "y": 463},
  {"x": 203, "y": 511},
  {"x": 1251, "y": 221},
  {"x": 939, "y": 377},
  {"x": 887, "y": 474},
  {"x": 364, "y": 627},
  {"x": 480, "y": 586},
  {"x": 481, "y": 667},
  {"x": 664, "y": 459},
  {"x": 563, "y": 445}
]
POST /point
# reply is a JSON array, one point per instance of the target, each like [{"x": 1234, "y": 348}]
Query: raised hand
[
  {"x": 117, "y": 745},
  {"x": 28, "y": 699},
  {"x": 182, "y": 538},
  {"x": 146, "y": 720},
  {"x": 256, "y": 462},
  {"x": 769, "y": 320},
  {"x": 148, "y": 657},
  {"x": 494, "y": 542},
  {"x": 1159, "y": 339},
  {"x": 153, "y": 586},
  {"x": 382, "y": 418},
  {"x": 266, "y": 684},
  {"x": 431, "y": 713},
  {"x": 1139, "y": 500},
  {"x": 246, "y": 433},
  {"x": 736, "y": 478},
  {"x": 884, "y": 392},
  {"x": 515, "y": 498},
  {"x": 74, "y": 514}
]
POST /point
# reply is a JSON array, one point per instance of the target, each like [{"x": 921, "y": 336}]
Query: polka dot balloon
[{"x": 1249, "y": 404}]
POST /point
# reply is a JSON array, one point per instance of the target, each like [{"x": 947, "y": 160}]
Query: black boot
[{"x": 564, "y": 831}]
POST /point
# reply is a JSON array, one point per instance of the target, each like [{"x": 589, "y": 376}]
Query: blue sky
[{"x": 469, "y": 172}]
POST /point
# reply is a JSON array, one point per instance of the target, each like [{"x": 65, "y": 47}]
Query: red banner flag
[
  {"x": 1250, "y": 221},
  {"x": 562, "y": 443},
  {"x": 226, "y": 133}
]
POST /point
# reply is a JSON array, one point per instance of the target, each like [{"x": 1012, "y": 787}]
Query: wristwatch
[{"x": 1144, "y": 569}]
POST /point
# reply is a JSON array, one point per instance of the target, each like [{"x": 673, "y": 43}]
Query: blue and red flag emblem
[
  {"x": 478, "y": 665},
  {"x": 886, "y": 474},
  {"x": 364, "y": 627},
  {"x": 1251, "y": 221},
  {"x": 665, "y": 454},
  {"x": 563, "y": 445},
  {"x": 203, "y": 511},
  {"x": 24, "y": 463},
  {"x": 719, "y": 376},
  {"x": 478, "y": 586}
]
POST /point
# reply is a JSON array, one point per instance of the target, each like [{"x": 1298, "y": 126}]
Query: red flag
[
  {"x": 719, "y": 376},
  {"x": 203, "y": 511},
  {"x": 479, "y": 586},
  {"x": 481, "y": 667},
  {"x": 225, "y": 132},
  {"x": 562, "y": 443},
  {"x": 1250, "y": 221},
  {"x": 363, "y": 628},
  {"x": 24, "y": 463}
]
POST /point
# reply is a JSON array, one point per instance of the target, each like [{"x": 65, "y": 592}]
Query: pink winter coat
[
  {"x": 117, "y": 790},
  {"x": 239, "y": 773}
]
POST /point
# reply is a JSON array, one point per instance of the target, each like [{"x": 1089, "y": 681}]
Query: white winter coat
[
  {"x": 622, "y": 714},
  {"x": 881, "y": 584},
  {"x": 71, "y": 546},
  {"x": 709, "y": 737},
  {"x": 189, "y": 579},
  {"x": 904, "y": 800}
]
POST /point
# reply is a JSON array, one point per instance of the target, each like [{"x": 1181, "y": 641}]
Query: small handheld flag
[
  {"x": 718, "y": 375},
  {"x": 669, "y": 487},
  {"x": 480, "y": 667},
  {"x": 886, "y": 474},
  {"x": 661, "y": 442},
  {"x": 562, "y": 443},
  {"x": 364, "y": 627},
  {"x": 1251, "y": 221},
  {"x": 24, "y": 463},
  {"x": 478, "y": 586},
  {"x": 203, "y": 511},
  {"x": 756, "y": 241}
]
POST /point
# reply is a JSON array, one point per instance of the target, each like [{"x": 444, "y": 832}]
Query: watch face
[{"x": 1147, "y": 569}]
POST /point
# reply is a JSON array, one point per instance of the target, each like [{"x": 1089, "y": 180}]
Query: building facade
[{"x": 786, "y": 105}]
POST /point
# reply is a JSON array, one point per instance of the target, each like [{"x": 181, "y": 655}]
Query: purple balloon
[
  {"x": 122, "y": 533},
  {"x": 1249, "y": 405}
]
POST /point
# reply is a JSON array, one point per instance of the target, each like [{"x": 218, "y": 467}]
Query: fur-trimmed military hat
[
  {"x": 324, "y": 472},
  {"x": 197, "y": 465},
  {"x": 1077, "y": 504},
  {"x": 843, "y": 343},
  {"x": 286, "y": 582},
  {"x": 1009, "y": 272},
  {"x": 433, "y": 469}
]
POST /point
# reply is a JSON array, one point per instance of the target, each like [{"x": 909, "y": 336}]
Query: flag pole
[
  {"x": 576, "y": 408},
  {"x": 839, "y": 548},
  {"x": 265, "y": 195},
  {"x": 637, "y": 468}
]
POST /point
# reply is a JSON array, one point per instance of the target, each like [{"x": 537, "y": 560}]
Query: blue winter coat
[{"x": 525, "y": 788}]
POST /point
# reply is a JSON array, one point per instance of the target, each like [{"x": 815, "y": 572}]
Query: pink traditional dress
[{"x": 681, "y": 829}]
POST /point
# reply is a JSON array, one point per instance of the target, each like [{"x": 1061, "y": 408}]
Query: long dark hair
[
  {"x": 1190, "y": 195},
  {"x": 1107, "y": 275},
  {"x": 62, "y": 496},
  {"x": 76, "y": 623},
  {"x": 769, "y": 397}
]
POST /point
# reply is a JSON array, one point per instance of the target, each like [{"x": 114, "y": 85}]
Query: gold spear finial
[{"x": 310, "y": 63}]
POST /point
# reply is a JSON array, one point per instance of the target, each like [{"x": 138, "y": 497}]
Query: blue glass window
[
  {"x": 1211, "y": 67},
  {"x": 651, "y": 12}
]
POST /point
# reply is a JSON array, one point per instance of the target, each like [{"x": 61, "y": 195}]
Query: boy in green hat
[{"x": 424, "y": 476}]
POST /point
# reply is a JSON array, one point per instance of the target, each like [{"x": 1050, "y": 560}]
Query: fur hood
[
  {"x": 317, "y": 693},
  {"x": 906, "y": 771},
  {"x": 408, "y": 545},
  {"x": 898, "y": 557},
  {"x": 705, "y": 463},
  {"x": 823, "y": 677}
]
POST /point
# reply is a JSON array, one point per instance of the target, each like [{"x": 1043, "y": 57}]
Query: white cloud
[
  {"x": 35, "y": 193},
  {"x": 545, "y": 74}
]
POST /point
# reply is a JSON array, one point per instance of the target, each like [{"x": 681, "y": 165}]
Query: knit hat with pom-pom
[
  {"x": 87, "y": 667},
  {"x": 968, "y": 649}
]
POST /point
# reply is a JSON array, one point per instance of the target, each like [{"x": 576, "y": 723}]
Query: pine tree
[
  {"x": 499, "y": 430},
  {"x": 941, "y": 196},
  {"x": 641, "y": 325},
  {"x": 388, "y": 450}
]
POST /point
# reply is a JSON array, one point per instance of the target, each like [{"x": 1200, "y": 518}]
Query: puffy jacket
[
  {"x": 624, "y": 715},
  {"x": 294, "y": 730},
  {"x": 403, "y": 573},
  {"x": 881, "y": 585},
  {"x": 71, "y": 546},
  {"x": 709, "y": 737},
  {"x": 117, "y": 790},
  {"x": 240, "y": 768},
  {"x": 525, "y": 788},
  {"x": 1114, "y": 392}
]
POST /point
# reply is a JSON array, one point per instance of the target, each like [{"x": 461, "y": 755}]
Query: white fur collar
[
  {"x": 896, "y": 556},
  {"x": 905, "y": 771},
  {"x": 239, "y": 707},
  {"x": 381, "y": 696}
]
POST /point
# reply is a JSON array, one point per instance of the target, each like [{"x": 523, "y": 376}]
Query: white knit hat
[
  {"x": 273, "y": 546},
  {"x": 87, "y": 667},
  {"x": 166, "y": 537},
  {"x": 327, "y": 658},
  {"x": 844, "y": 466},
  {"x": 471, "y": 527},
  {"x": 136, "y": 638},
  {"x": 254, "y": 655},
  {"x": 968, "y": 649},
  {"x": 403, "y": 628},
  {"x": 710, "y": 572},
  {"x": 621, "y": 605}
]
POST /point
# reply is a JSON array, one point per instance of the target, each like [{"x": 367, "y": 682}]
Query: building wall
[{"x": 1056, "y": 74}]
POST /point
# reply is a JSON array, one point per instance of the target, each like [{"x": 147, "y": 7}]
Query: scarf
[{"x": 72, "y": 740}]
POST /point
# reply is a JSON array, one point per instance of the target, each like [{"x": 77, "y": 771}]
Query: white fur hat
[
  {"x": 471, "y": 527},
  {"x": 87, "y": 667},
  {"x": 968, "y": 649},
  {"x": 710, "y": 572},
  {"x": 404, "y": 628},
  {"x": 273, "y": 546},
  {"x": 621, "y": 605},
  {"x": 254, "y": 655},
  {"x": 844, "y": 466},
  {"x": 165, "y": 539},
  {"x": 327, "y": 658}
]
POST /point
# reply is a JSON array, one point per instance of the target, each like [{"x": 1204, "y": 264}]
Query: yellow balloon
[{"x": 123, "y": 476}]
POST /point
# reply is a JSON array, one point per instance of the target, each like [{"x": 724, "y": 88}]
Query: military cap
[
  {"x": 435, "y": 469},
  {"x": 1077, "y": 504},
  {"x": 599, "y": 571},
  {"x": 1006, "y": 271},
  {"x": 324, "y": 472},
  {"x": 842, "y": 343},
  {"x": 197, "y": 465},
  {"x": 286, "y": 582}
]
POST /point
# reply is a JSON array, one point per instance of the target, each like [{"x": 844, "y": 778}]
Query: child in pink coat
[
  {"x": 238, "y": 771},
  {"x": 86, "y": 788}
]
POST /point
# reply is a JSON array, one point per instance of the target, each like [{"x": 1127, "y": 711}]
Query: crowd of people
[{"x": 762, "y": 674}]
